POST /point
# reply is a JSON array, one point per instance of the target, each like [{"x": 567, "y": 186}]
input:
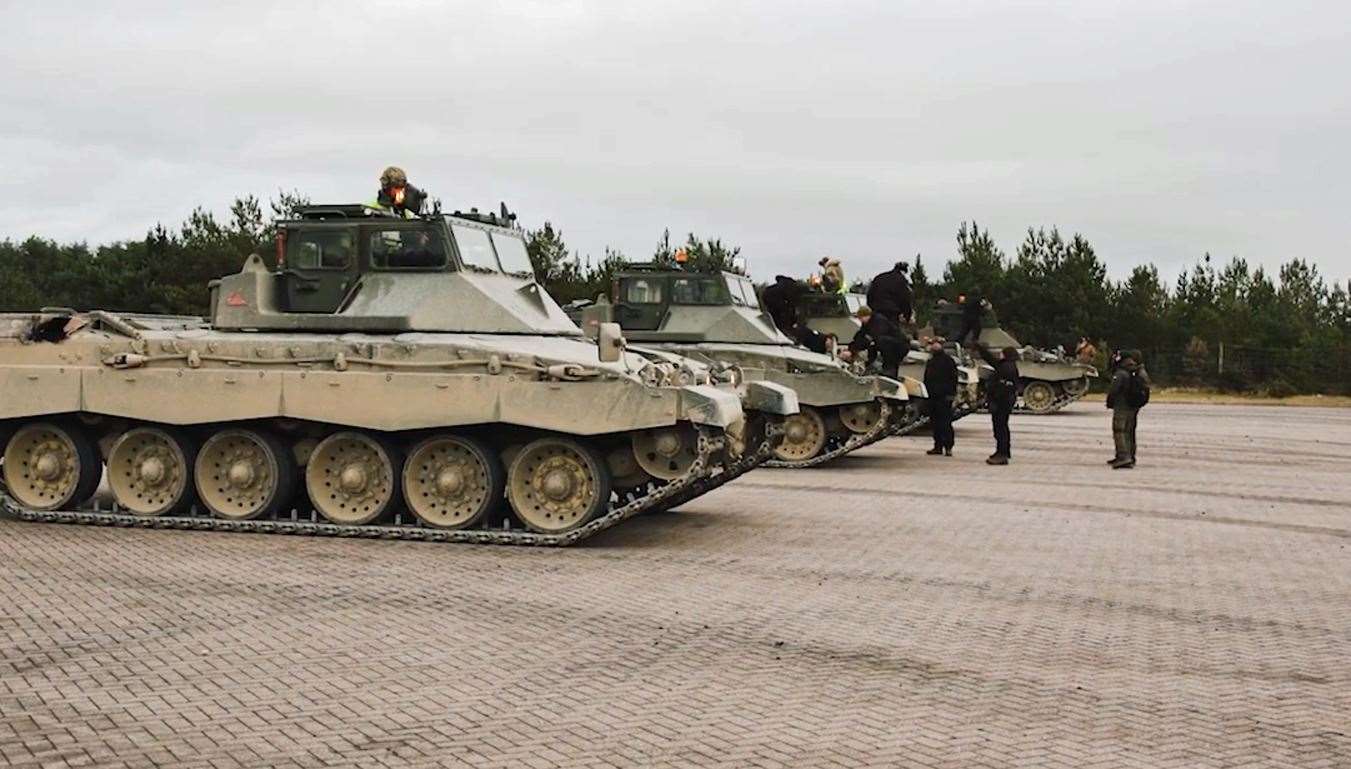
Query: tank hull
[{"x": 545, "y": 434}]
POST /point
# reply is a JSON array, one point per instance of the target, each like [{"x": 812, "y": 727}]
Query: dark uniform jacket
[
  {"x": 1002, "y": 392},
  {"x": 940, "y": 376},
  {"x": 1116, "y": 395},
  {"x": 891, "y": 295},
  {"x": 884, "y": 341},
  {"x": 413, "y": 199},
  {"x": 780, "y": 300}
]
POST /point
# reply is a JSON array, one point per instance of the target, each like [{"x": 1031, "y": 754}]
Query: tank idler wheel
[
  {"x": 452, "y": 481},
  {"x": 557, "y": 484},
  {"x": 150, "y": 470},
  {"x": 243, "y": 474},
  {"x": 861, "y": 417},
  {"x": 1039, "y": 397},
  {"x": 804, "y": 436},
  {"x": 666, "y": 453},
  {"x": 52, "y": 466},
  {"x": 353, "y": 478},
  {"x": 1077, "y": 387}
]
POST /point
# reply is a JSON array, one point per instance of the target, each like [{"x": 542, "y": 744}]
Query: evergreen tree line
[{"x": 1231, "y": 326}]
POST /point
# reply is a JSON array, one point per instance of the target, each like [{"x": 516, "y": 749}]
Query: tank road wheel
[
  {"x": 150, "y": 471},
  {"x": 244, "y": 474},
  {"x": 353, "y": 478},
  {"x": 557, "y": 484},
  {"x": 451, "y": 481},
  {"x": 50, "y": 466},
  {"x": 804, "y": 435},
  {"x": 861, "y": 417},
  {"x": 1077, "y": 387},
  {"x": 1039, "y": 397},
  {"x": 666, "y": 453}
]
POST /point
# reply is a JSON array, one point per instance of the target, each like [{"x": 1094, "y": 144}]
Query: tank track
[
  {"x": 884, "y": 429},
  {"x": 701, "y": 478},
  {"x": 1062, "y": 400}
]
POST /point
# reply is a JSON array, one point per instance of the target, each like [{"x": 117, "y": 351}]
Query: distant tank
[
  {"x": 832, "y": 313},
  {"x": 1048, "y": 381},
  {"x": 393, "y": 377},
  {"x": 716, "y": 317}
]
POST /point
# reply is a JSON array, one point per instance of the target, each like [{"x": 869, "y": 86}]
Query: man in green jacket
[{"x": 1129, "y": 393}]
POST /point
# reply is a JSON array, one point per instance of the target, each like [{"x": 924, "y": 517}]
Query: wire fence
[{"x": 1274, "y": 371}]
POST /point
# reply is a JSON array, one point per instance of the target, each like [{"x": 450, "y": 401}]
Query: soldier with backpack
[{"x": 1129, "y": 394}]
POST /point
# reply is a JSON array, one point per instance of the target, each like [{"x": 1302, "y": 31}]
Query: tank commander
[
  {"x": 1085, "y": 352},
  {"x": 397, "y": 195},
  {"x": 832, "y": 276},
  {"x": 891, "y": 295},
  {"x": 882, "y": 340}
]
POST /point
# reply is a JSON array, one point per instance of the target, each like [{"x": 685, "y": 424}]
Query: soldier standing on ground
[
  {"x": 940, "y": 381},
  {"x": 891, "y": 295},
  {"x": 1000, "y": 396},
  {"x": 1129, "y": 394}
]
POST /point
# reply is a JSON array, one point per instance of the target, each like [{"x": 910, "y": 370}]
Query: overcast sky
[{"x": 868, "y": 130}]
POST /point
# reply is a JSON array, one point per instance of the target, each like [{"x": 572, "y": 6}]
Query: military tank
[
  {"x": 1048, "y": 381},
  {"x": 392, "y": 377},
  {"x": 835, "y": 314},
  {"x": 715, "y": 317}
]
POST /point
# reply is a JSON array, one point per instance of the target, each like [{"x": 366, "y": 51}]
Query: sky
[{"x": 865, "y": 130}]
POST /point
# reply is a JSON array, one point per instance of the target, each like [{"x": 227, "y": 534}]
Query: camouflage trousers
[{"x": 1123, "y": 432}]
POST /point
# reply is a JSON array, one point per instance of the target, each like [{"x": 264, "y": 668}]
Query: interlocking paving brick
[{"x": 893, "y": 609}]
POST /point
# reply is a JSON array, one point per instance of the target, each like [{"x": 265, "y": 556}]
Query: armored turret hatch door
[
  {"x": 321, "y": 266},
  {"x": 641, "y": 303}
]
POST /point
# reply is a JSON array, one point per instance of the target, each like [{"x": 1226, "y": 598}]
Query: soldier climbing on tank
[
  {"x": 1001, "y": 395},
  {"x": 890, "y": 294},
  {"x": 780, "y": 299},
  {"x": 940, "y": 380},
  {"x": 973, "y": 308},
  {"x": 397, "y": 195},
  {"x": 1129, "y": 393},
  {"x": 883, "y": 341}
]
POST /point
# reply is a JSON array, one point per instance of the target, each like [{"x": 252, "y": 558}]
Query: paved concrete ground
[{"x": 895, "y": 610}]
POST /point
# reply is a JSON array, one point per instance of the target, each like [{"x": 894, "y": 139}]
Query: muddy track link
[{"x": 700, "y": 479}]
